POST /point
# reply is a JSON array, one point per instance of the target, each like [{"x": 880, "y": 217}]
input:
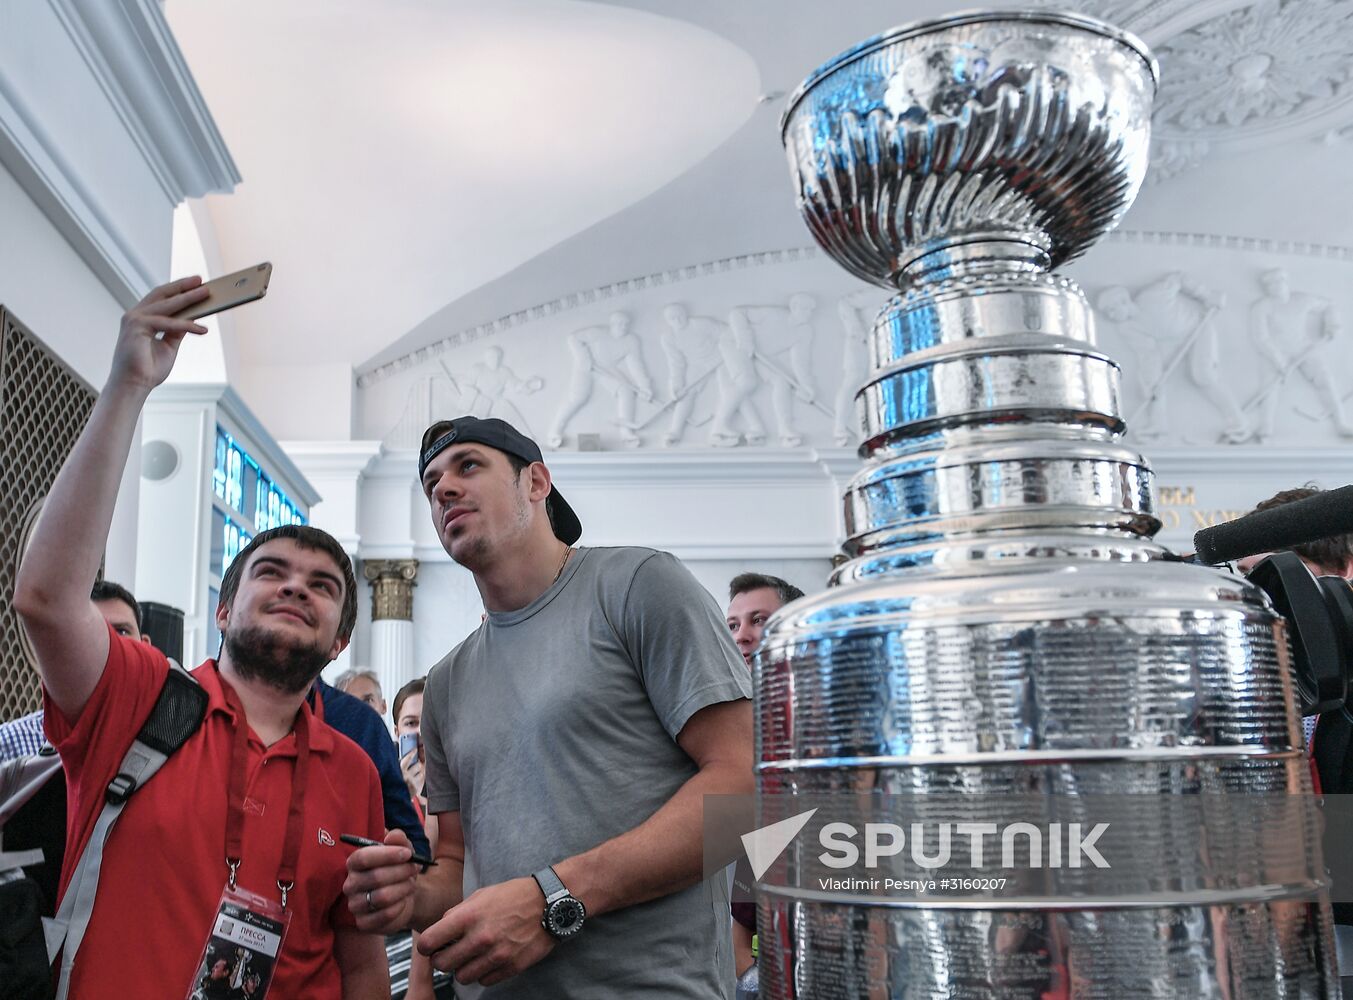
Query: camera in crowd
[{"x": 1319, "y": 615}]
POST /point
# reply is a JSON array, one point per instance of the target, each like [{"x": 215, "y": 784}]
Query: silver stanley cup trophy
[{"x": 1006, "y": 626}]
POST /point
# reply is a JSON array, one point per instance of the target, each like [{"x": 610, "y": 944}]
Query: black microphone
[{"x": 1328, "y": 513}]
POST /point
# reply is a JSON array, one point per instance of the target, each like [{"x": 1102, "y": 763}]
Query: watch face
[{"x": 564, "y": 918}]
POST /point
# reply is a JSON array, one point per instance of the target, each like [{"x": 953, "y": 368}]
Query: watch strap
[{"x": 550, "y": 884}]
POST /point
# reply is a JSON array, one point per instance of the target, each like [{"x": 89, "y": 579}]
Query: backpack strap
[{"x": 178, "y": 712}]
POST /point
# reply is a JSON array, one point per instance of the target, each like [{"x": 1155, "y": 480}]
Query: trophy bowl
[{"x": 1006, "y": 136}]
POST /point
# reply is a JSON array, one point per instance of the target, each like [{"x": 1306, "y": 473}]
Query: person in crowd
[
  {"x": 570, "y": 742},
  {"x": 1331, "y": 556},
  {"x": 212, "y": 823},
  {"x": 752, "y": 599},
  {"x": 359, "y": 722},
  {"x": 363, "y": 685},
  {"x": 408, "y": 719},
  {"x": 425, "y": 983},
  {"x": 23, "y": 736},
  {"x": 41, "y": 822}
]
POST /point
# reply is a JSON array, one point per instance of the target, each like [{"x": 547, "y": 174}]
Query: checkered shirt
[{"x": 22, "y": 737}]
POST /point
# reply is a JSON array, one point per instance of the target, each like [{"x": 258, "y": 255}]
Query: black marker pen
[{"x": 356, "y": 841}]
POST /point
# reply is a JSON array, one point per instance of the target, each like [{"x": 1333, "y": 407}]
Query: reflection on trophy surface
[{"x": 1005, "y": 626}]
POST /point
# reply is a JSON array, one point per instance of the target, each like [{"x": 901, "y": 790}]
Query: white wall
[
  {"x": 311, "y": 402},
  {"x": 46, "y": 284},
  {"x": 54, "y": 293},
  {"x": 102, "y": 133}
]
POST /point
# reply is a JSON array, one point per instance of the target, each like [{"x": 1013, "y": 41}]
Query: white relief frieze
[
  {"x": 429, "y": 395},
  {"x": 1171, "y": 325},
  {"x": 856, "y": 313},
  {"x": 587, "y": 297},
  {"x": 736, "y": 417},
  {"x": 691, "y": 345},
  {"x": 775, "y": 360},
  {"x": 488, "y": 387},
  {"x": 774, "y": 344},
  {"x": 1295, "y": 333},
  {"x": 611, "y": 356}
]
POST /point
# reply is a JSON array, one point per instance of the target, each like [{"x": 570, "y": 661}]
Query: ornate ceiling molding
[
  {"x": 1153, "y": 21},
  {"x": 1262, "y": 70},
  {"x": 1239, "y": 74},
  {"x": 131, "y": 53}
]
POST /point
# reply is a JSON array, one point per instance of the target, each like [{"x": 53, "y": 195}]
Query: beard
[
  {"x": 475, "y": 555},
  {"x": 479, "y": 553},
  {"x": 257, "y": 654}
]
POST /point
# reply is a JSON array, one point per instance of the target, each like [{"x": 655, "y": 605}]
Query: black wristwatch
[{"x": 564, "y": 913}]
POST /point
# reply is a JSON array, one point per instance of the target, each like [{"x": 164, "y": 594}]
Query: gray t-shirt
[{"x": 553, "y": 728}]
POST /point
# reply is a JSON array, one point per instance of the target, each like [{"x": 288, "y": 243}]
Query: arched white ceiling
[{"x": 398, "y": 154}]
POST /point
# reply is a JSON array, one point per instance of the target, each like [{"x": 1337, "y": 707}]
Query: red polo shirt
[{"x": 164, "y": 863}]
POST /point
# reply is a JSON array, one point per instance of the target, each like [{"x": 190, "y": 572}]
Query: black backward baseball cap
[{"x": 499, "y": 434}]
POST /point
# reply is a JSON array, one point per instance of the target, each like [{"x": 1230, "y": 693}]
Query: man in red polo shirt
[{"x": 241, "y": 826}]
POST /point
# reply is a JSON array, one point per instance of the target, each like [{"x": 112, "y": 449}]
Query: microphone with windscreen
[{"x": 1323, "y": 515}]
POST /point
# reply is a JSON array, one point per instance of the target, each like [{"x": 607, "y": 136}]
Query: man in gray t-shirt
[{"x": 570, "y": 742}]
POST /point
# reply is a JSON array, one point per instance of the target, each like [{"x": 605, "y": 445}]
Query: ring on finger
[{"x": 370, "y": 906}]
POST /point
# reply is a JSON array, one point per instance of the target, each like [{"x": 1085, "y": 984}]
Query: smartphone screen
[{"x": 407, "y": 743}]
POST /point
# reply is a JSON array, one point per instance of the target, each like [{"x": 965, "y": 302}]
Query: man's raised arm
[{"x": 51, "y": 594}]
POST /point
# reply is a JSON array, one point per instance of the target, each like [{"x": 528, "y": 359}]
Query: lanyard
[{"x": 239, "y": 766}]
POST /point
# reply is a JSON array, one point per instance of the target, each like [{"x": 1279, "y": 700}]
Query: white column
[
  {"x": 392, "y": 582},
  {"x": 392, "y": 655}
]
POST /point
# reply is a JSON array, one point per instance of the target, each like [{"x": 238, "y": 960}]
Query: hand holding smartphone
[{"x": 229, "y": 291}]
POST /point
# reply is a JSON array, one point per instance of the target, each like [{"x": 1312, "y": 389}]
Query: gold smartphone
[{"x": 231, "y": 290}]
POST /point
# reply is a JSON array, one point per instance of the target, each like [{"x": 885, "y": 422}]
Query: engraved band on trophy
[{"x": 1005, "y": 621}]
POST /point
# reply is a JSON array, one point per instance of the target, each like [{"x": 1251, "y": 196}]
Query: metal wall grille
[{"x": 43, "y": 408}]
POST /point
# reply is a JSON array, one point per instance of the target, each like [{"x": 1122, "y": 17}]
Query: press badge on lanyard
[
  {"x": 242, "y": 948},
  {"x": 248, "y": 930}
]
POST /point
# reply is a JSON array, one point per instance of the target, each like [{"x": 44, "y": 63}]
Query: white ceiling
[
  {"x": 413, "y": 167},
  {"x": 397, "y": 155}
]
